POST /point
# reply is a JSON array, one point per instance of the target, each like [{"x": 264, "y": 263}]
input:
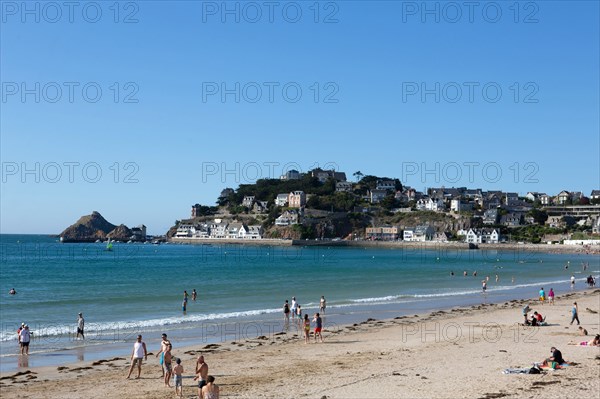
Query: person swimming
[{"x": 12, "y": 292}]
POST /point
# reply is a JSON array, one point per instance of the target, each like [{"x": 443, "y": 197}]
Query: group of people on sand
[
  {"x": 536, "y": 318},
  {"x": 207, "y": 389},
  {"x": 295, "y": 311}
]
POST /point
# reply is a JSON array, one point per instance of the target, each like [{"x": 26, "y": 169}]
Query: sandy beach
[{"x": 459, "y": 353}]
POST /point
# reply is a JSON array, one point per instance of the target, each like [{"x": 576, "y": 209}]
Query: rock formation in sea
[{"x": 94, "y": 227}]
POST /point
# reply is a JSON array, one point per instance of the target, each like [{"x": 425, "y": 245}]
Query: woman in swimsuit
[
  {"x": 306, "y": 329},
  {"x": 210, "y": 390}
]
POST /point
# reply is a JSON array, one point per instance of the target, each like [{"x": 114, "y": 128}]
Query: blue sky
[{"x": 511, "y": 100}]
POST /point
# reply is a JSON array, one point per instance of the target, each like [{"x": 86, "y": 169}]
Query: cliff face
[{"x": 88, "y": 228}]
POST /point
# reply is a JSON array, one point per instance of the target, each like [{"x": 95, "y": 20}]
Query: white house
[
  {"x": 184, "y": 230},
  {"x": 233, "y": 230},
  {"x": 281, "y": 200},
  {"x": 218, "y": 229},
  {"x": 430, "y": 204},
  {"x": 248, "y": 201},
  {"x": 287, "y": 218},
  {"x": 254, "y": 232},
  {"x": 419, "y": 233},
  {"x": 482, "y": 236}
]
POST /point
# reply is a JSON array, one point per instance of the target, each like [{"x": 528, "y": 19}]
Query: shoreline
[
  {"x": 57, "y": 380},
  {"x": 433, "y": 245}
]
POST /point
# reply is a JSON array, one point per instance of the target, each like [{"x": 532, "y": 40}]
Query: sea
[{"x": 138, "y": 288}]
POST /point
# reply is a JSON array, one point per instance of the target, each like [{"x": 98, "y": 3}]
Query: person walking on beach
[
  {"x": 322, "y": 304},
  {"x": 306, "y": 324},
  {"x": 551, "y": 297},
  {"x": 542, "y": 295},
  {"x": 163, "y": 348},
  {"x": 168, "y": 367},
  {"x": 24, "y": 339},
  {"x": 286, "y": 312},
  {"x": 80, "y": 325},
  {"x": 294, "y": 306},
  {"x": 201, "y": 374},
  {"x": 575, "y": 313},
  {"x": 211, "y": 390},
  {"x": 318, "y": 326},
  {"x": 178, "y": 371},
  {"x": 139, "y": 352},
  {"x": 299, "y": 314}
]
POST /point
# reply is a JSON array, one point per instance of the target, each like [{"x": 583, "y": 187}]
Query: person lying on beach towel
[{"x": 593, "y": 342}]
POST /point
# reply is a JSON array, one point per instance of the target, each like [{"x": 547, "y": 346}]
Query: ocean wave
[{"x": 109, "y": 329}]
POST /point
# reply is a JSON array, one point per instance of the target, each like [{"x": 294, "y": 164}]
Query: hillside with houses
[{"x": 325, "y": 205}]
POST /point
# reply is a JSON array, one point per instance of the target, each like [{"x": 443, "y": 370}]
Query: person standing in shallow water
[
  {"x": 322, "y": 304},
  {"x": 80, "y": 325}
]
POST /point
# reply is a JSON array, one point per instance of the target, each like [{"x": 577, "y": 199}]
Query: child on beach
[{"x": 178, "y": 370}]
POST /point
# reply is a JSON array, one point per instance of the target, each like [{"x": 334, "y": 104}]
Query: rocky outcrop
[
  {"x": 120, "y": 233},
  {"x": 88, "y": 228}
]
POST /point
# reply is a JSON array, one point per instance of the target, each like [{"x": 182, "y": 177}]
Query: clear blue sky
[{"x": 370, "y": 61}]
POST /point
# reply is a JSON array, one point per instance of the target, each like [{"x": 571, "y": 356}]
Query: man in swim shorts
[
  {"x": 201, "y": 374},
  {"x": 161, "y": 352},
  {"x": 319, "y": 326},
  {"x": 167, "y": 364}
]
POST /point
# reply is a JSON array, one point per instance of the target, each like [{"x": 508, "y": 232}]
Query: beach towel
[
  {"x": 516, "y": 371},
  {"x": 532, "y": 370},
  {"x": 554, "y": 366}
]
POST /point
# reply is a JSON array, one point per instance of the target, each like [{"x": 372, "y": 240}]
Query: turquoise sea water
[{"x": 139, "y": 287}]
